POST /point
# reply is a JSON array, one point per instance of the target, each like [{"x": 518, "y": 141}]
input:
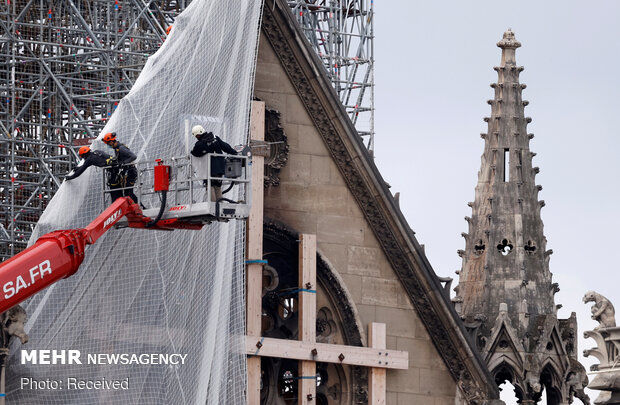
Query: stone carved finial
[
  {"x": 509, "y": 41},
  {"x": 509, "y": 45},
  {"x": 602, "y": 310}
]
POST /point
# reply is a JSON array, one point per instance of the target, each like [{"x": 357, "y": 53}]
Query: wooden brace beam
[
  {"x": 307, "y": 315},
  {"x": 377, "y": 384},
  {"x": 327, "y": 353},
  {"x": 254, "y": 251}
]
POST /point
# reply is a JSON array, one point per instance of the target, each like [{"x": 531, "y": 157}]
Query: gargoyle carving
[
  {"x": 602, "y": 310},
  {"x": 13, "y": 322}
]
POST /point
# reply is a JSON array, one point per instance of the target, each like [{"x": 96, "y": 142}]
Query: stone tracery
[{"x": 336, "y": 324}]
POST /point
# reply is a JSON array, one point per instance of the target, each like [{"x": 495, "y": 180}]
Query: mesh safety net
[{"x": 155, "y": 292}]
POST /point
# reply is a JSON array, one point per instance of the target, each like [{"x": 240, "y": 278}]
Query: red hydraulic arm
[{"x": 59, "y": 254}]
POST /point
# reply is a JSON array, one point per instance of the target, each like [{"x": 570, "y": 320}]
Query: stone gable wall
[{"x": 313, "y": 198}]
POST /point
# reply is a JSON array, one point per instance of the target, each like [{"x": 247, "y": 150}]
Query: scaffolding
[
  {"x": 64, "y": 66},
  {"x": 341, "y": 33}
]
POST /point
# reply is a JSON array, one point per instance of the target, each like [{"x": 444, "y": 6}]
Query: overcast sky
[{"x": 433, "y": 67}]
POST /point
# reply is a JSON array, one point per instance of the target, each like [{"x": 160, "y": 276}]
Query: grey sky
[{"x": 433, "y": 68}]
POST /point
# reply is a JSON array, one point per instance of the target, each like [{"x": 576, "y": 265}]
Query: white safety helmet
[{"x": 197, "y": 130}]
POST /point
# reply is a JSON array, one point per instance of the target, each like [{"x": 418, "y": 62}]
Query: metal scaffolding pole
[
  {"x": 64, "y": 66},
  {"x": 341, "y": 33}
]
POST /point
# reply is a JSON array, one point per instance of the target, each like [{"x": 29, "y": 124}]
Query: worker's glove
[
  {"x": 71, "y": 174},
  {"x": 113, "y": 161}
]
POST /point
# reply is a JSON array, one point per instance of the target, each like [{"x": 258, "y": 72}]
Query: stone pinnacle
[{"x": 509, "y": 41}]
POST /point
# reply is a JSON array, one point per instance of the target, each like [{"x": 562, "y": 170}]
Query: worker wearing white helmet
[
  {"x": 198, "y": 130},
  {"x": 208, "y": 143}
]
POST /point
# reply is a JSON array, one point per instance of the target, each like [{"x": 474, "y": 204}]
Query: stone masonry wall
[{"x": 313, "y": 198}]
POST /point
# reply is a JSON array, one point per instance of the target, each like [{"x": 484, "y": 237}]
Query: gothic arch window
[
  {"x": 549, "y": 384},
  {"x": 335, "y": 323},
  {"x": 506, "y": 378},
  {"x": 551, "y": 381}
]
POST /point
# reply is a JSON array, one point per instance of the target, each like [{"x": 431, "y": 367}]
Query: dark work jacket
[
  {"x": 206, "y": 145},
  {"x": 93, "y": 158},
  {"x": 123, "y": 154}
]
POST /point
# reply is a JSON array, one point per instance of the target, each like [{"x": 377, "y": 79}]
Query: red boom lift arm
[{"x": 59, "y": 254}]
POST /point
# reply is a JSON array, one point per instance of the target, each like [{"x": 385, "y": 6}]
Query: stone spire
[{"x": 506, "y": 293}]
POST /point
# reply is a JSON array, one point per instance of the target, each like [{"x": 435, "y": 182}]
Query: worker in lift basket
[
  {"x": 90, "y": 158},
  {"x": 123, "y": 173},
  {"x": 208, "y": 143}
]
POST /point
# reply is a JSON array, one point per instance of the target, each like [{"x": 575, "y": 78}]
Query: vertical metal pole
[
  {"x": 191, "y": 174},
  {"x": 2, "y": 382},
  {"x": 209, "y": 177},
  {"x": 371, "y": 58},
  {"x": 4, "y": 355},
  {"x": 12, "y": 134}
]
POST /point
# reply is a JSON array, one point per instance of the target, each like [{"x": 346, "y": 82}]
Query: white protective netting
[{"x": 140, "y": 291}]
